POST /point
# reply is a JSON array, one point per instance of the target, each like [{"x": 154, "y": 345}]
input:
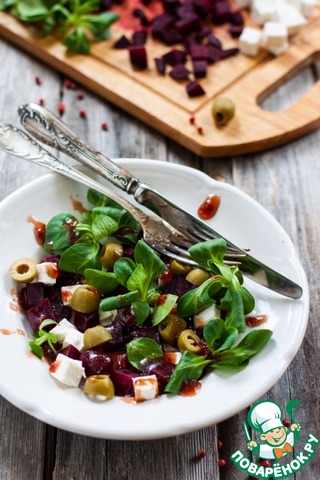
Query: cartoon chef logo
[{"x": 277, "y": 440}]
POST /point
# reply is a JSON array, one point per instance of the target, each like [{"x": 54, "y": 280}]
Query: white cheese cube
[
  {"x": 290, "y": 17},
  {"x": 172, "y": 357},
  {"x": 250, "y": 41},
  {"x": 47, "y": 273},
  {"x": 275, "y": 37},
  {"x": 243, "y": 3},
  {"x": 295, "y": 3},
  {"x": 73, "y": 337},
  {"x": 106, "y": 318},
  {"x": 145, "y": 388},
  {"x": 66, "y": 293},
  {"x": 307, "y": 7},
  {"x": 262, "y": 11},
  {"x": 61, "y": 330},
  {"x": 201, "y": 319},
  {"x": 67, "y": 371}
]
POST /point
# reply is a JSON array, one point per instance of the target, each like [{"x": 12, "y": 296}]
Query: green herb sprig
[
  {"x": 41, "y": 336},
  {"x": 77, "y": 20}
]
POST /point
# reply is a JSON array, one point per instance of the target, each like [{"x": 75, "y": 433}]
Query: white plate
[{"x": 24, "y": 379}]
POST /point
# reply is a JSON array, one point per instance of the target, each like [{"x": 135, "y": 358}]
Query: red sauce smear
[
  {"x": 4, "y": 331},
  {"x": 209, "y": 207},
  {"x": 13, "y": 307},
  {"x": 190, "y": 388},
  {"x": 256, "y": 320},
  {"x": 54, "y": 367},
  {"x": 77, "y": 205},
  {"x": 52, "y": 271},
  {"x": 39, "y": 229}
]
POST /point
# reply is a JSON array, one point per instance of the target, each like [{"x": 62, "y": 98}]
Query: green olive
[
  {"x": 95, "y": 336},
  {"x": 23, "y": 270},
  {"x": 188, "y": 340},
  {"x": 197, "y": 276},
  {"x": 223, "y": 111},
  {"x": 110, "y": 253},
  {"x": 99, "y": 385},
  {"x": 85, "y": 299},
  {"x": 179, "y": 268},
  {"x": 170, "y": 328}
]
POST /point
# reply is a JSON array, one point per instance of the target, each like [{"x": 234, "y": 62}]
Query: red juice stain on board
[
  {"x": 39, "y": 229},
  {"x": 190, "y": 388},
  {"x": 209, "y": 207}
]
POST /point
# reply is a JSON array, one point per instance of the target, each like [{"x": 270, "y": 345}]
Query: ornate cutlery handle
[{"x": 48, "y": 128}]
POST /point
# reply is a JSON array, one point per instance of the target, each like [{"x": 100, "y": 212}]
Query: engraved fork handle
[
  {"x": 18, "y": 143},
  {"x": 49, "y": 129}
]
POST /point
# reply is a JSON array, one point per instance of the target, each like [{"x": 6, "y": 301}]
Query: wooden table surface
[{"x": 286, "y": 181}]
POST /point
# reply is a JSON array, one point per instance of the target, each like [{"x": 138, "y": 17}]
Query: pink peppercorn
[
  {"x": 219, "y": 444},
  {"x": 61, "y": 108},
  {"x": 38, "y": 80},
  {"x": 41, "y": 101},
  {"x": 83, "y": 113},
  {"x": 222, "y": 462},
  {"x": 201, "y": 454},
  {"x": 286, "y": 422},
  {"x": 80, "y": 96},
  {"x": 200, "y": 130},
  {"x": 104, "y": 126},
  {"x": 266, "y": 463},
  {"x": 192, "y": 120}
]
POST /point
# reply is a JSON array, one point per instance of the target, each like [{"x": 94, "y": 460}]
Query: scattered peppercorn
[
  {"x": 38, "y": 80},
  {"x": 41, "y": 101},
  {"x": 83, "y": 113},
  {"x": 201, "y": 454},
  {"x": 286, "y": 422},
  {"x": 61, "y": 108},
  {"x": 69, "y": 84},
  {"x": 104, "y": 126},
  {"x": 222, "y": 462},
  {"x": 192, "y": 120},
  {"x": 219, "y": 444},
  {"x": 200, "y": 130},
  {"x": 266, "y": 463},
  {"x": 80, "y": 96}
]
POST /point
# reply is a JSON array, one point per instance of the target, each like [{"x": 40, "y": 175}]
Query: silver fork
[{"x": 157, "y": 233}]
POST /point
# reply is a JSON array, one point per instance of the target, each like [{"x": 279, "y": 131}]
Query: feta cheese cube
[
  {"x": 290, "y": 17},
  {"x": 61, "y": 330},
  {"x": 145, "y": 388},
  {"x": 262, "y": 11},
  {"x": 200, "y": 319},
  {"x": 67, "y": 371},
  {"x": 172, "y": 357},
  {"x": 73, "y": 337},
  {"x": 275, "y": 37},
  {"x": 47, "y": 273},
  {"x": 66, "y": 293},
  {"x": 307, "y": 7},
  {"x": 250, "y": 41}
]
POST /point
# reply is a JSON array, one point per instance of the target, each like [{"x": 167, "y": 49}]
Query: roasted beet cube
[
  {"x": 188, "y": 25},
  {"x": 138, "y": 57},
  {"x": 122, "y": 381},
  {"x": 40, "y": 312},
  {"x": 71, "y": 352},
  {"x": 214, "y": 54},
  {"x": 235, "y": 31},
  {"x": 127, "y": 317},
  {"x": 160, "y": 65},
  {"x": 221, "y": 12},
  {"x": 203, "y": 33},
  {"x": 147, "y": 332},
  {"x": 199, "y": 52},
  {"x": 160, "y": 23},
  {"x": 179, "y": 72},
  {"x": 139, "y": 37},
  {"x": 119, "y": 360},
  {"x": 200, "y": 68},
  {"x": 122, "y": 43},
  {"x": 170, "y": 37},
  {"x": 214, "y": 41},
  {"x": 179, "y": 285},
  {"x": 117, "y": 337},
  {"x": 236, "y": 18},
  {"x": 82, "y": 321},
  {"x": 96, "y": 363},
  {"x": 31, "y": 295},
  {"x": 175, "y": 57},
  {"x": 203, "y": 7},
  {"x": 170, "y": 5},
  {"x": 229, "y": 52},
  {"x": 160, "y": 368},
  {"x": 185, "y": 11}
]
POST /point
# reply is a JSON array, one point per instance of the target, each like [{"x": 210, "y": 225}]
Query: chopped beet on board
[{"x": 176, "y": 22}]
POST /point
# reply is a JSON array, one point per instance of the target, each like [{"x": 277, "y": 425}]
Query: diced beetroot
[
  {"x": 128, "y": 252},
  {"x": 51, "y": 258},
  {"x": 147, "y": 332},
  {"x": 188, "y": 42},
  {"x": 160, "y": 368},
  {"x": 194, "y": 89},
  {"x": 221, "y": 12},
  {"x": 122, "y": 43},
  {"x": 71, "y": 352},
  {"x": 236, "y": 18},
  {"x": 188, "y": 25},
  {"x": 82, "y": 321},
  {"x": 122, "y": 381},
  {"x": 170, "y": 37},
  {"x": 235, "y": 31},
  {"x": 175, "y": 57},
  {"x": 170, "y": 5},
  {"x": 119, "y": 360},
  {"x": 160, "y": 65},
  {"x": 199, "y": 52},
  {"x": 179, "y": 285},
  {"x": 48, "y": 353},
  {"x": 138, "y": 57},
  {"x": 200, "y": 68},
  {"x": 31, "y": 295},
  {"x": 229, "y": 52},
  {"x": 214, "y": 41},
  {"x": 96, "y": 363},
  {"x": 139, "y": 13},
  {"x": 40, "y": 312},
  {"x": 117, "y": 337},
  {"x": 203, "y": 7},
  {"x": 127, "y": 317},
  {"x": 214, "y": 54},
  {"x": 179, "y": 72},
  {"x": 160, "y": 23},
  {"x": 139, "y": 37},
  {"x": 185, "y": 11},
  {"x": 203, "y": 33}
]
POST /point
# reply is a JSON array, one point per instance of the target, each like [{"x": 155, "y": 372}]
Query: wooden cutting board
[{"x": 163, "y": 103}]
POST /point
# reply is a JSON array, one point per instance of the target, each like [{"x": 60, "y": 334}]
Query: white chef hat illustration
[{"x": 265, "y": 416}]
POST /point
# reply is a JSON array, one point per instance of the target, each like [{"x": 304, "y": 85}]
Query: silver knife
[{"x": 49, "y": 129}]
